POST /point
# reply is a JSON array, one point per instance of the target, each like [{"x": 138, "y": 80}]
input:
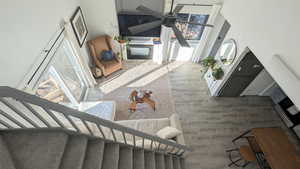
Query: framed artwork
[{"x": 79, "y": 26}]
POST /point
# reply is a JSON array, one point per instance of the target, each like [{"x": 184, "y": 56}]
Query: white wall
[
  {"x": 213, "y": 35},
  {"x": 206, "y": 33},
  {"x": 268, "y": 27},
  {"x": 101, "y": 17},
  {"x": 26, "y": 28}
]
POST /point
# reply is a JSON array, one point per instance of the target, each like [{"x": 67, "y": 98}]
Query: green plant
[
  {"x": 217, "y": 73},
  {"x": 122, "y": 39},
  {"x": 209, "y": 62}
]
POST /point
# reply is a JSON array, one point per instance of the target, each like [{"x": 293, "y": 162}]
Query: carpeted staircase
[{"x": 58, "y": 149}]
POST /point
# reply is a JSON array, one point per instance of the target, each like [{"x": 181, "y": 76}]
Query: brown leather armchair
[{"x": 98, "y": 45}]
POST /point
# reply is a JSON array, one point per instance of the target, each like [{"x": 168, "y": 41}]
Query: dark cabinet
[{"x": 242, "y": 76}]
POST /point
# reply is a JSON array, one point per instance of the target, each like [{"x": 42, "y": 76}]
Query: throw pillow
[
  {"x": 107, "y": 55},
  {"x": 168, "y": 132}
]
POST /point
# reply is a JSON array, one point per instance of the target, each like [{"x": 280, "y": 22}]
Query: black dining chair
[{"x": 245, "y": 156}]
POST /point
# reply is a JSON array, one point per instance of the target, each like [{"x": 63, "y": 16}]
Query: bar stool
[{"x": 246, "y": 154}]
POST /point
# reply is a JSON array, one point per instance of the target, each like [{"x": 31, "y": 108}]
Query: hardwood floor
[{"x": 210, "y": 123}]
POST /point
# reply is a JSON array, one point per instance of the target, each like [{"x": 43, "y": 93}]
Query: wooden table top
[{"x": 278, "y": 150}]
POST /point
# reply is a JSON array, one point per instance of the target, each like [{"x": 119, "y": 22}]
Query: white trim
[
  {"x": 80, "y": 54},
  {"x": 63, "y": 86},
  {"x": 35, "y": 67},
  {"x": 205, "y": 35}
]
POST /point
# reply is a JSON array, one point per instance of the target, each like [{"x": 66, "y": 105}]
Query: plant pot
[
  {"x": 122, "y": 41},
  {"x": 217, "y": 73}
]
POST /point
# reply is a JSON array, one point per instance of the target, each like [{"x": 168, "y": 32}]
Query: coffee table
[{"x": 139, "y": 97}]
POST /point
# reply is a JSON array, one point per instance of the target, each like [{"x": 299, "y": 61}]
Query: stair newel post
[
  {"x": 143, "y": 142},
  {"x": 113, "y": 134},
  {"x": 125, "y": 141}
]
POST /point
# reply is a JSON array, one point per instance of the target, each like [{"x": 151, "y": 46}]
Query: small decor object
[
  {"x": 107, "y": 55},
  {"x": 217, "y": 73},
  {"x": 141, "y": 96},
  {"x": 79, "y": 26},
  {"x": 121, "y": 39},
  {"x": 97, "y": 72},
  {"x": 156, "y": 41}
]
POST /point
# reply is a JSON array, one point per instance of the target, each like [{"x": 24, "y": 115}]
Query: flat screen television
[{"x": 127, "y": 20}]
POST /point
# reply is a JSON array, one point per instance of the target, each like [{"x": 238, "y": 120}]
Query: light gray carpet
[
  {"x": 31, "y": 148},
  {"x": 136, "y": 75}
]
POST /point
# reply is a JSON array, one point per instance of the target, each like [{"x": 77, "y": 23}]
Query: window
[
  {"x": 62, "y": 80},
  {"x": 190, "y": 31}
]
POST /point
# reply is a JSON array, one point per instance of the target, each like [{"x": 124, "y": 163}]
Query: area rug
[{"x": 136, "y": 75}]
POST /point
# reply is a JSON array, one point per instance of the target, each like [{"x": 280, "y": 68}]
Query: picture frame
[{"x": 79, "y": 26}]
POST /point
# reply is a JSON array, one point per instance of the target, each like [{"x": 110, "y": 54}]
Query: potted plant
[
  {"x": 217, "y": 73},
  {"x": 121, "y": 39},
  {"x": 211, "y": 62},
  {"x": 208, "y": 62}
]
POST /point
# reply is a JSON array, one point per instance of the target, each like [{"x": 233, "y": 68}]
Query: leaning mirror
[{"x": 228, "y": 51}]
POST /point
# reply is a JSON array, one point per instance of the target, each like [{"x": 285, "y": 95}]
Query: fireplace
[{"x": 139, "y": 51}]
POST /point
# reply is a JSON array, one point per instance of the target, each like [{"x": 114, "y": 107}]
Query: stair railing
[{"x": 20, "y": 110}]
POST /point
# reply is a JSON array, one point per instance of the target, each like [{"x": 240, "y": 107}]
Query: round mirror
[{"x": 228, "y": 51}]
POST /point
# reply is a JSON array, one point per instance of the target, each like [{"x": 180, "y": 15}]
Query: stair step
[
  {"x": 111, "y": 156},
  {"x": 126, "y": 158},
  {"x": 6, "y": 161},
  {"x": 74, "y": 153},
  {"x": 176, "y": 163},
  {"x": 94, "y": 154},
  {"x": 168, "y": 162},
  {"x": 182, "y": 163},
  {"x": 149, "y": 160},
  {"x": 138, "y": 159},
  {"x": 35, "y": 149},
  {"x": 159, "y": 161}
]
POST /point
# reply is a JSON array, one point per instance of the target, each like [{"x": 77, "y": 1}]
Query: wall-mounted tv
[{"x": 127, "y": 20}]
